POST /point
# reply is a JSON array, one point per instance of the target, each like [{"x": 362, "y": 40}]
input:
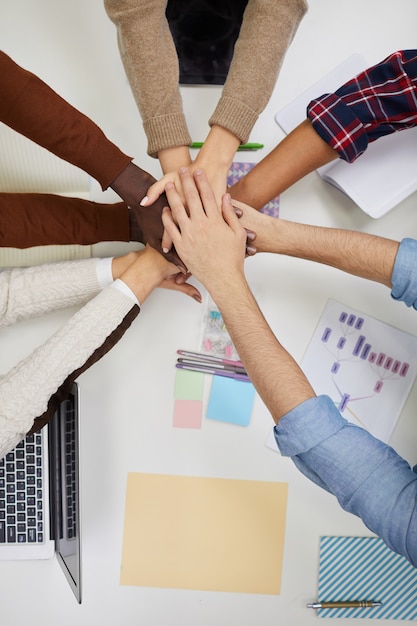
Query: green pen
[{"x": 243, "y": 146}]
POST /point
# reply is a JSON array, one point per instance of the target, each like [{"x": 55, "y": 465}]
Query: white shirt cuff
[
  {"x": 121, "y": 286},
  {"x": 104, "y": 272}
]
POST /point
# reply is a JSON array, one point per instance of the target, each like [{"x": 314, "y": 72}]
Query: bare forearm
[
  {"x": 278, "y": 379},
  {"x": 301, "y": 152},
  {"x": 367, "y": 256},
  {"x": 171, "y": 159},
  {"x": 219, "y": 148},
  {"x": 216, "y": 157}
]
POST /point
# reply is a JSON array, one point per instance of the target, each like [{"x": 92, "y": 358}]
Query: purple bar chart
[{"x": 366, "y": 366}]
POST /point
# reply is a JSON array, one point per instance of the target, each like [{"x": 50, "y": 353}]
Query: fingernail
[
  {"x": 198, "y": 172},
  {"x": 183, "y": 170},
  {"x": 169, "y": 186},
  {"x": 198, "y": 298},
  {"x": 250, "y": 250},
  {"x": 238, "y": 212},
  {"x": 144, "y": 201},
  {"x": 250, "y": 235},
  {"x": 165, "y": 250},
  {"x": 227, "y": 198}
]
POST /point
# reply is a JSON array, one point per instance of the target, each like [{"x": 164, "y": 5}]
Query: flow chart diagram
[{"x": 366, "y": 366}]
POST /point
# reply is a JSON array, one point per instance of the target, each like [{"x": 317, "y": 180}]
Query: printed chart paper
[
  {"x": 213, "y": 534},
  {"x": 366, "y": 366}
]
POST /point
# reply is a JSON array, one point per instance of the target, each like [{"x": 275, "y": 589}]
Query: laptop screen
[
  {"x": 204, "y": 33},
  {"x": 64, "y": 485}
]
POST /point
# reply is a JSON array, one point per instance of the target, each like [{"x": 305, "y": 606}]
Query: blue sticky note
[{"x": 230, "y": 401}]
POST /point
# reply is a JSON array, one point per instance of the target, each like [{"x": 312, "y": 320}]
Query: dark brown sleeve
[
  {"x": 39, "y": 219},
  {"x": 33, "y": 109}
]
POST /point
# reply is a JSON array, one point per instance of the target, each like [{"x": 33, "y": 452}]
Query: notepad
[
  {"x": 213, "y": 534},
  {"x": 188, "y": 399},
  {"x": 385, "y": 174},
  {"x": 364, "y": 568},
  {"x": 230, "y": 401}
]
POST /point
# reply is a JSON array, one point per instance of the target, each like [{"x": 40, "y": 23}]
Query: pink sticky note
[{"x": 188, "y": 413}]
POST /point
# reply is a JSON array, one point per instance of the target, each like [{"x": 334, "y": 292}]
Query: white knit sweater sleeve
[
  {"x": 27, "y": 388},
  {"x": 33, "y": 291}
]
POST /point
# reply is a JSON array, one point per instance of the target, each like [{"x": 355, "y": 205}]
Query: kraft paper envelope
[{"x": 215, "y": 534}]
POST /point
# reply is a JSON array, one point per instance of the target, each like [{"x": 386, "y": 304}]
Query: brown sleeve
[
  {"x": 39, "y": 219},
  {"x": 34, "y": 110}
]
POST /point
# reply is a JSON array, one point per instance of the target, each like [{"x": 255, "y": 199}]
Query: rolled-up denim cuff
[
  {"x": 306, "y": 426},
  {"x": 404, "y": 275}
]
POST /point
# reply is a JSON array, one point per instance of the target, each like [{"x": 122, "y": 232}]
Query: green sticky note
[{"x": 188, "y": 385}]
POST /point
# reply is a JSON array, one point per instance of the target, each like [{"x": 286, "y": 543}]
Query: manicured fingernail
[
  {"x": 238, "y": 212},
  {"x": 250, "y": 235},
  {"x": 165, "y": 250},
  {"x": 144, "y": 201},
  {"x": 250, "y": 250}
]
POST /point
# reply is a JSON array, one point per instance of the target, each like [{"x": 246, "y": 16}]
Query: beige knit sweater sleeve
[
  {"x": 26, "y": 389},
  {"x": 267, "y": 30},
  {"x": 151, "y": 63}
]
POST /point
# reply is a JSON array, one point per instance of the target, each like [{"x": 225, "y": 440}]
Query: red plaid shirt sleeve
[{"x": 379, "y": 101}]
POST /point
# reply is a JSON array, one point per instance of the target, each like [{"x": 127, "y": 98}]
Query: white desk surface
[{"x": 127, "y": 398}]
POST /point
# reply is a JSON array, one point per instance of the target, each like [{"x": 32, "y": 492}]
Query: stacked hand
[
  {"x": 209, "y": 239},
  {"x": 131, "y": 185}
]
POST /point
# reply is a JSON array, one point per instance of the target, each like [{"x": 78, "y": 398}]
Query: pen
[
  {"x": 209, "y": 358},
  {"x": 344, "y": 605},
  {"x": 242, "y": 148},
  {"x": 215, "y": 372},
  {"x": 220, "y": 366}
]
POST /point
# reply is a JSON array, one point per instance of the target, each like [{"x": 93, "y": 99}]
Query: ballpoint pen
[
  {"x": 242, "y": 148},
  {"x": 360, "y": 604},
  {"x": 200, "y": 356},
  {"x": 211, "y": 370},
  {"x": 221, "y": 366}
]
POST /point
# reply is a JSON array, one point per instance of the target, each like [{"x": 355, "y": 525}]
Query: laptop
[{"x": 40, "y": 495}]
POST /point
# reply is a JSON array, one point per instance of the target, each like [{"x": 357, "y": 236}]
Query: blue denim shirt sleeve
[
  {"x": 404, "y": 275},
  {"x": 367, "y": 476}
]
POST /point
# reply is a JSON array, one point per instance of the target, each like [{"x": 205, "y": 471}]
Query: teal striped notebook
[{"x": 364, "y": 568}]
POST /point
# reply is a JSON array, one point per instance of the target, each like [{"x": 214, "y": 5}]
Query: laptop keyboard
[
  {"x": 21, "y": 492},
  {"x": 70, "y": 470}
]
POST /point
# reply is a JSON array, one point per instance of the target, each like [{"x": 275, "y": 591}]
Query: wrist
[
  {"x": 132, "y": 184},
  {"x": 146, "y": 273},
  {"x": 120, "y": 264},
  {"x": 228, "y": 289},
  {"x": 219, "y": 147},
  {"x": 171, "y": 159}
]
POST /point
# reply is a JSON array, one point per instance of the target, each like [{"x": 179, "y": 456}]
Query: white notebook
[{"x": 385, "y": 174}]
